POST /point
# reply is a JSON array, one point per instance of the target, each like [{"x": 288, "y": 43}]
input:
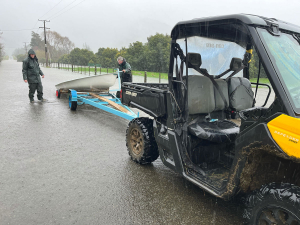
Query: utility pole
[
  {"x": 25, "y": 48},
  {"x": 46, "y": 55}
]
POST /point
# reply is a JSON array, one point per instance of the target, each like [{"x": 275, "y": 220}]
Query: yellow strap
[{"x": 251, "y": 52}]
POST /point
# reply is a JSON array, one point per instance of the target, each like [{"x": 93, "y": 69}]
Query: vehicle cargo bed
[{"x": 148, "y": 97}]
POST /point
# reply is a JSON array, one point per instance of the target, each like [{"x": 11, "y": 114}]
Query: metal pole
[
  {"x": 72, "y": 67},
  {"x": 159, "y": 78},
  {"x": 107, "y": 70},
  {"x": 81, "y": 69},
  {"x": 46, "y": 55},
  {"x": 89, "y": 70},
  {"x": 95, "y": 69},
  {"x": 100, "y": 70},
  {"x": 145, "y": 77}
]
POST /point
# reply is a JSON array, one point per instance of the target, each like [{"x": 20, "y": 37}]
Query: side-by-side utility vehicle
[{"x": 207, "y": 124}]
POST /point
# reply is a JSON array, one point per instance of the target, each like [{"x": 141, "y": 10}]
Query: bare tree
[
  {"x": 85, "y": 46},
  {"x": 58, "y": 45}
]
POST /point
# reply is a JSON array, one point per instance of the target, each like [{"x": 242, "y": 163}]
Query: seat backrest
[
  {"x": 200, "y": 95},
  {"x": 240, "y": 93},
  {"x": 220, "y": 103}
]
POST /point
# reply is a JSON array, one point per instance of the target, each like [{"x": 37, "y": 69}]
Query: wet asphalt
[{"x": 63, "y": 167}]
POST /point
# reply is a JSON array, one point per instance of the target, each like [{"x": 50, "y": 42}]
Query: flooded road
[{"x": 63, "y": 167}]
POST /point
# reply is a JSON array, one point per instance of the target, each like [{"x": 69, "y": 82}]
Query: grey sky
[{"x": 116, "y": 23}]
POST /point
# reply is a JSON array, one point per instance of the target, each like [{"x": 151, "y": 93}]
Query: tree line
[
  {"x": 151, "y": 56},
  {"x": 57, "y": 45}
]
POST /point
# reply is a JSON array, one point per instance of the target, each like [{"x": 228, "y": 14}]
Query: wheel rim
[
  {"x": 277, "y": 216},
  {"x": 136, "y": 141}
]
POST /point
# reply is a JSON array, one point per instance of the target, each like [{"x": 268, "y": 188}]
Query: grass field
[
  {"x": 261, "y": 80},
  {"x": 85, "y": 70}
]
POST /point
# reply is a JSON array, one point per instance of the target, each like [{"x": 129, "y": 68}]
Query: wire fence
[{"x": 97, "y": 70}]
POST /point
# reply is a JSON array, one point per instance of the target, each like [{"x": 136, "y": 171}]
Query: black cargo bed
[{"x": 148, "y": 97}]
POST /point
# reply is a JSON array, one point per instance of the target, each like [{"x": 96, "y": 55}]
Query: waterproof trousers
[
  {"x": 126, "y": 77},
  {"x": 32, "y": 88}
]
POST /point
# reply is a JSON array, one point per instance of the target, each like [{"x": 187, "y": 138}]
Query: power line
[
  {"x": 51, "y": 9},
  {"x": 20, "y": 30},
  {"x": 68, "y": 9},
  {"x": 62, "y": 9}
]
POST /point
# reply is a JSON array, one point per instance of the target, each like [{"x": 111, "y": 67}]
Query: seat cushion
[
  {"x": 240, "y": 93},
  {"x": 201, "y": 97},
  {"x": 223, "y": 131}
]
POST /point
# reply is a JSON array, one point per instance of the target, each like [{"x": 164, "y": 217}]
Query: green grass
[
  {"x": 261, "y": 80},
  {"x": 150, "y": 74},
  {"x": 85, "y": 70}
]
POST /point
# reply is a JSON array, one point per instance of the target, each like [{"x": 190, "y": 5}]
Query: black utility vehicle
[{"x": 206, "y": 123}]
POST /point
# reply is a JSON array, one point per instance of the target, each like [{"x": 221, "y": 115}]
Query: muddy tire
[
  {"x": 273, "y": 204},
  {"x": 140, "y": 141}
]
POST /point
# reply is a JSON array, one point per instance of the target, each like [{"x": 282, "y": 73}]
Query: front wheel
[
  {"x": 273, "y": 204},
  {"x": 140, "y": 141}
]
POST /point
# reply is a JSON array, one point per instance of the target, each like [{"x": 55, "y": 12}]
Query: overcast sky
[{"x": 117, "y": 23}]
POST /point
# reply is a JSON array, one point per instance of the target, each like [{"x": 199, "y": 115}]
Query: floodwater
[{"x": 63, "y": 167}]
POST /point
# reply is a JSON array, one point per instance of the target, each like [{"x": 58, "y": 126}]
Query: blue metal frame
[
  {"x": 81, "y": 99},
  {"x": 72, "y": 97}
]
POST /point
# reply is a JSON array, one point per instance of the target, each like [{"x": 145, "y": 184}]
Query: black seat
[{"x": 223, "y": 131}]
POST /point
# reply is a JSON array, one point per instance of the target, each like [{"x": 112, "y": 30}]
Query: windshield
[
  {"x": 284, "y": 51},
  {"x": 216, "y": 54}
]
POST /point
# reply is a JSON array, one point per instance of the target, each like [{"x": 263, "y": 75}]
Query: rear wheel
[
  {"x": 140, "y": 141},
  {"x": 274, "y": 204},
  {"x": 58, "y": 93}
]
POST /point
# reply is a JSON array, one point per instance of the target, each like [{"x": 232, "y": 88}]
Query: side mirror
[
  {"x": 235, "y": 64},
  {"x": 194, "y": 60}
]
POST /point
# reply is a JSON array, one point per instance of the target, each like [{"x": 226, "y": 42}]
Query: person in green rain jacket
[
  {"x": 32, "y": 75},
  {"x": 124, "y": 66}
]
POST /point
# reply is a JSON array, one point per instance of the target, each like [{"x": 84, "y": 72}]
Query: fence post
[
  {"x": 89, "y": 70},
  {"x": 107, "y": 70},
  {"x": 95, "y": 70},
  {"x": 100, "y": 70},
  {"x": 58, "y": 65},
  {"x": 81, "y": 69},
  {"x": 145, "y": 77},
  {"x": 72, "y": 67},
  {"x": 159, "y": 78}
]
